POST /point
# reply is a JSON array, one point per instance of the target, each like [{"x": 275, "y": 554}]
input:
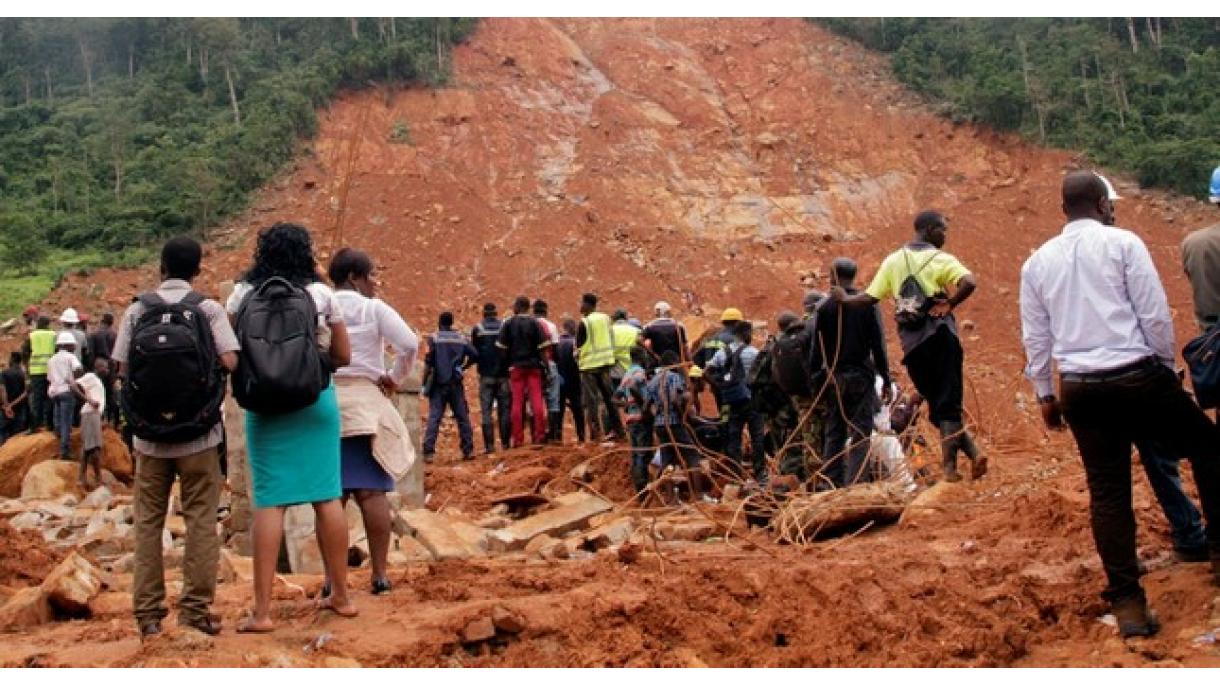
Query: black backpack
[
  {"x": 280, "y": 368},
  {"x": 1202, "y": 356},
  {"x": 174, "y": 385},
  {"x": 732, "y": 380},
  {"x": 912, "y": 305},
  {"x": 790, "y": 358}
]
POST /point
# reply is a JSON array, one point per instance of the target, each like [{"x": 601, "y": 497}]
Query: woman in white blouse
[{"x": 375, "y": 450}]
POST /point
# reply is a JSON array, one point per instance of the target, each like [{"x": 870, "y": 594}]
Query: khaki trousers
[{"x": 200, "y": 478}]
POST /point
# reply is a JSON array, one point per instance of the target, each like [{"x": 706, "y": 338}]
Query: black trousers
[
  {"x": 1106, "y": 419},
  {"x": 570, "y": 397},
  {"x": 852, "y": 405},
  {"x": 935, "y": 367}
]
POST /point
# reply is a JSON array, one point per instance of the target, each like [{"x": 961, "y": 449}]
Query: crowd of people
[{"x": 314, "y": 366}]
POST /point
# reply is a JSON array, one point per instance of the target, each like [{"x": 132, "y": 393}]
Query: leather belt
[{"x": 1116, "y": 374}]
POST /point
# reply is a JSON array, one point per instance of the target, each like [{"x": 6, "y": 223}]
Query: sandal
[{"x": 327, "y": 604}]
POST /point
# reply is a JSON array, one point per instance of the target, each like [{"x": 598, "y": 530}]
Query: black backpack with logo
[
  {"x": 280, "y": 368},
  {"x": 912, "y": 305},
  {"x": 174, "y": 385},
  {"x": 791, "y": 360}
]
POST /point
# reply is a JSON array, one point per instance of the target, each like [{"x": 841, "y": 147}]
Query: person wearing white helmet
[
  {"x": 1201, "y": 261},
  {"x": 61, "y": 376},
  {"x": 70, "y": 321}
]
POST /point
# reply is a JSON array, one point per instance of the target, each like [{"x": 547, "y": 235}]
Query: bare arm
[{"x": 340, "y": 345}]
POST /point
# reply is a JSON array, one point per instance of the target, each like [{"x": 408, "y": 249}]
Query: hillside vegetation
[
  {"x": 1135, "y": 93},
  {"x": 117, "y": 132}
]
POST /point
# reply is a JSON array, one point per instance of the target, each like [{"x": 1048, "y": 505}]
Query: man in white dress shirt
[{"x": 1092, "y": 302}]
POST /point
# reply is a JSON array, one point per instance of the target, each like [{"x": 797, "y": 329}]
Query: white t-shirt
[
  {"x": 94, "y": 390},
  {"x": 371, "y": 324},
  {"x": 61, "y": 370}
]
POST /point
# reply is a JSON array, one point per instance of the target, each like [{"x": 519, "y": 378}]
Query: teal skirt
[{"x": 294, "y": 457}]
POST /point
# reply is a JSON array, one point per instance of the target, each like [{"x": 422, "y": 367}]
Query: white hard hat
[
  {"x": 661, "y": 306},
  {"x": 65, "y": 338},
  {"x": 1111, "y": 194},
  {"x": 69, "y": 317}
]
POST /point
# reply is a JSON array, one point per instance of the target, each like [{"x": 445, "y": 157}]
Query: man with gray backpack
[
  {"x": 927, "y": 285},
  {"x": 173, "y": 350}
]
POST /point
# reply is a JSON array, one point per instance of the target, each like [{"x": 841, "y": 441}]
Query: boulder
[
  {"x": 304, "y": 556},
  {"x": 50, "y": 479},
  {"x": 928, "y": 505},
  {"x": 100, "y": 498},
  {"x": 539, "y": 542},
  {"x": 71, "y": 585},
  {"x": 481, "y": 629},
  {"x": 507, "y": 621},
  {"x": 27, "y": 608},
  {"x": 110, "y": 603},
  {"x": 26, "y": 520},
  {"x": 20, "y": 453},
  {"x": 611, "y": 534}
]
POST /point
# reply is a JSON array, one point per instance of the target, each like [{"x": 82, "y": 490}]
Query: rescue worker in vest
[
  {"x": 493, "y": 381},
  {"x": 449, "y": 354},
  {"x": 551, "y": 381},
  {"x": 730, "y": 319},
  {"x": 595, "y": 357},
  {"x": 663, "y": 333},
  {"x": 38, "y": 349},
  {"x": 625, "y": 337}
]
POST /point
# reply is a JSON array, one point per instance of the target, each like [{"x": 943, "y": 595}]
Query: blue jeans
[
  {"x": 551, "y": 391},
  {"x": 65, "y": 406},
  {"x": 1185, "y": 522},
  {"x": 640, "y": 433}
]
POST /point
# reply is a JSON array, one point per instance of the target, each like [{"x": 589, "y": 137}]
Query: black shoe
[
  {"x": 325, "y": 592},
  {"x": 381, "y": 586},
  {"x": 1134, "y": 618},
  {"x": 1189, "y": 555},
  {"x": 150, "y": 628},
  {"x": 209, "y": 624}
]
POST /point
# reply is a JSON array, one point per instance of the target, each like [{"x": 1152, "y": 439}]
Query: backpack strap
[
  {"x": 194, "y": 299},
  {"x": 150, "y": 299}
]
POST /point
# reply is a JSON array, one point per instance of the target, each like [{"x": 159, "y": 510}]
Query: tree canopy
[
  {"x": 115, "y": 133},
  {"x": 1134, "y": 93}
]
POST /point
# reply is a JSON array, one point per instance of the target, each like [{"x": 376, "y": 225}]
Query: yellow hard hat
[
  {"x": 695, "y": 372},
  {"x": 731, "y": 314}
]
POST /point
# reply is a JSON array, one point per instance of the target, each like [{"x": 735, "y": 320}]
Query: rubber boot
[
  {"x": 949, "y": 443},
  {"x": 978, "y": 461},
  {"x": 1134, "y": 617}
]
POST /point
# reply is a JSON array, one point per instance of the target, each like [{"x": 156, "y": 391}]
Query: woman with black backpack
[{"x": 292, "y": 336}]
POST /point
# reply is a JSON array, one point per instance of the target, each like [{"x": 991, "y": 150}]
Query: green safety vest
[
  {"x": 598, "y": 350},
  {"x": 625, "y": 337},
  {"x": 42, "y": 347}
]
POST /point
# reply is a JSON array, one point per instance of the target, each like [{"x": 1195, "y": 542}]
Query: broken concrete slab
[
  {"x": 72, "y": 584},
  {"x": 537, "y": 543},
  {"x": 572, "y": 511},
  {"x": 444, "y": 537},
  {"x": 27, "y": 608}
]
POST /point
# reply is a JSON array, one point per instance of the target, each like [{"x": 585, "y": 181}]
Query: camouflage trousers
[{"x": 803, "y": 457}]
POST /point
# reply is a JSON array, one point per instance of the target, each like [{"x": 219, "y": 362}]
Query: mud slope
[{"x": 709, "y": 163}]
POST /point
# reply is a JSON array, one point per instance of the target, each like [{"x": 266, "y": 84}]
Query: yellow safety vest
[
  {"x": 42, "y": 347},
  {"x": 625, "y": 337},
  {"x": 598, "y": 350}
]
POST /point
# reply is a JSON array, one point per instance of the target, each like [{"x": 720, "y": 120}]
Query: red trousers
[{"x": 523, "y": 380}]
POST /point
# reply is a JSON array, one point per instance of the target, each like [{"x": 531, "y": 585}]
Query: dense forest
[
  {"x": 1137, "y": 94},
  {"x": 117, "y": 132}
]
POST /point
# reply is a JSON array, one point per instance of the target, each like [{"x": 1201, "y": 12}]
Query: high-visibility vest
[
  {"x": 42, "y": 347},
  {"x": 598, "y": 350},
  {"x": 625, "y": 337}
]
